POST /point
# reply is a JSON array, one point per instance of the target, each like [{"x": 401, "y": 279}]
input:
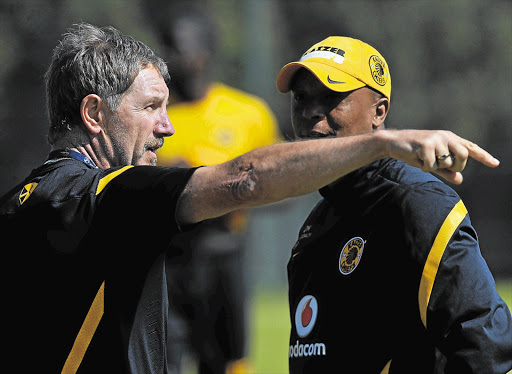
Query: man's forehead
[{"x": 149, "y": 82}]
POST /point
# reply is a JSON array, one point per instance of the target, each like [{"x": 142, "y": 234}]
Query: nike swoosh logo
[{"x": 332, "y": 81}]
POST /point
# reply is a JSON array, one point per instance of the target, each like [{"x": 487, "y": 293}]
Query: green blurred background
[{"x": 451, "y": 67}]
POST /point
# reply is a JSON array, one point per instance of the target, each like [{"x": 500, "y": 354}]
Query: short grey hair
[{"x": 92, "y": 60}]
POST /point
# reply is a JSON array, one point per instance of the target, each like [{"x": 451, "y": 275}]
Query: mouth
[
  {"x": 148, "y": 155},
  {"x": 317, "y": 135},
  {"x": 154, "y": 146}
]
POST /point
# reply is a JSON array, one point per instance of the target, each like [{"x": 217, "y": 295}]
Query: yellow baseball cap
[{"x": 342, "y": 64}]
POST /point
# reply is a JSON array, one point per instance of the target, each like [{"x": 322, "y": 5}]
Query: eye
[{"x": 297, "y": 96}]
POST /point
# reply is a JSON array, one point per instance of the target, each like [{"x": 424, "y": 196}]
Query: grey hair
[{"x": 91, "y": 59}]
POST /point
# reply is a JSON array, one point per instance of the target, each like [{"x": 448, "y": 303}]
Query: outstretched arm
[{"x": 280, "y": 171}]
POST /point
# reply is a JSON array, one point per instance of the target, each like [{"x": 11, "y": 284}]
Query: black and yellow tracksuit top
[
  {"x": 83, "y": 270},
  {"x": 387, "y": 277}
]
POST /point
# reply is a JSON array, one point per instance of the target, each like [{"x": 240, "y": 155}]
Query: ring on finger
[{"x": 443, "y": 157}]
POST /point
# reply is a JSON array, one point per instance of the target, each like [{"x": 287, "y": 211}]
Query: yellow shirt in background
[{"x": 225, "y": 124}]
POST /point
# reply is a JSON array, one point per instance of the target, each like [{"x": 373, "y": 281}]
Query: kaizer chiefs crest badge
[
  {"x": 379, "y": 70},
  {"x": 351, "y": 255}
]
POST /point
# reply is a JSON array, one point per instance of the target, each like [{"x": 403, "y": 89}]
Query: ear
[
  {"x": 381, "y": 108},
  {"x": 91, "y": 113}
]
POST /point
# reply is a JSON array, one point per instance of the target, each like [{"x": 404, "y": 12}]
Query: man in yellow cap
[{"x": 386, "y": 275}]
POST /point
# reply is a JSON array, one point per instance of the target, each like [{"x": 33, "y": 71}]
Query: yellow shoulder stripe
[
  {"x": 386, "y": 368},
  {"x": 444, "y": 235},
  {"x": 106, "y": 180},
  {"x": 84, "y": 337}
]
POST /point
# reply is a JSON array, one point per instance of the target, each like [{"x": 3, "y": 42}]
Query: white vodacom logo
[{"x": 305, "y": 318}]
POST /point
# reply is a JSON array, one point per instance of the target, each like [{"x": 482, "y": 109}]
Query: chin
[
  {"x": 148, "y": 158},
  {"x": 146, "y": 161}
]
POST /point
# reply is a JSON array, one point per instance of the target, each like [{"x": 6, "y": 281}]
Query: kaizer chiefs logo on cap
[
  {"x": 351, "y": 255},
  {"x": 305, "y": 315},
  {"x": 379, "y": 70}
]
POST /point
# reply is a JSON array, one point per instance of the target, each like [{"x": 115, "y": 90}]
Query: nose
[
  {"x": 164, "y": 126},
  {"x": 313, "y": 111},
  {"x": 311, "y": 119}
]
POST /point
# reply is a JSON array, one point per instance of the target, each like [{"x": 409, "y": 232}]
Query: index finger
[{"x": 481, "y": 155}]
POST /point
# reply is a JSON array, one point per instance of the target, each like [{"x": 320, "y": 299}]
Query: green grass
[
  {"x": 504, "y": 288},
  {"x": 270, "y": 328}
]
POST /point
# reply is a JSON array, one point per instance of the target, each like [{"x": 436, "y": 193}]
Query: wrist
[{"x": 383, "y": 140}]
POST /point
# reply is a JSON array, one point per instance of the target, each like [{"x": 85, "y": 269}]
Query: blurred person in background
[
  {"x": 84, "y": 280},
  {"x": 205, "y": 268},
  {"x": 386, "y": 275}
]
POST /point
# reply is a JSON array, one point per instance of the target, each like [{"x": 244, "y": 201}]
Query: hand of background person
[{"x": 438, "y": 151}]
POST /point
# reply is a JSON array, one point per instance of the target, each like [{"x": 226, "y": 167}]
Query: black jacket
[{"x": 387, "y": 276}]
